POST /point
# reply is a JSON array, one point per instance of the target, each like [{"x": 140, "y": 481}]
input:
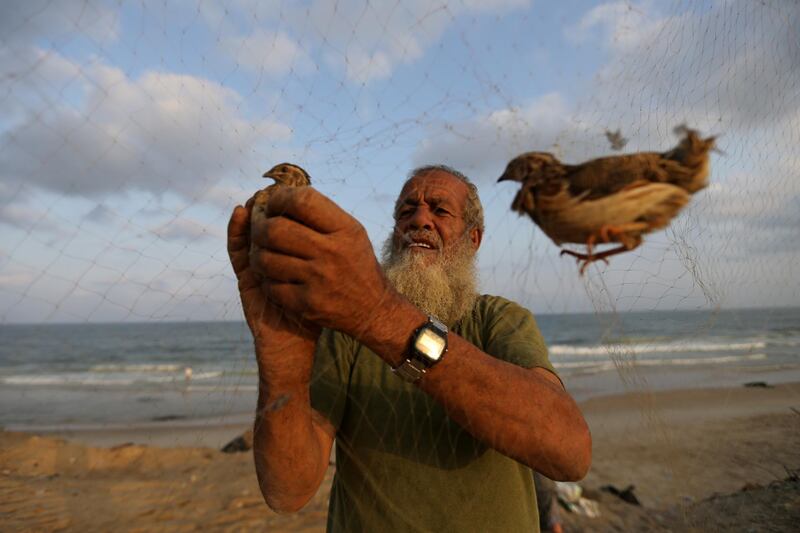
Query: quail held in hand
[
  {"x": 285, "y": 175},
  {"x": 609, "y": 199}
]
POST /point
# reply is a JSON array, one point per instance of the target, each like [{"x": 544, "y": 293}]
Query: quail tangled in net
[{"x": 615, "y": 199}]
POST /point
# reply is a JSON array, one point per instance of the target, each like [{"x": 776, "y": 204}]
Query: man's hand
[
  {"x": 318, "y": 262},
  {"x": 273, "y": 329}
]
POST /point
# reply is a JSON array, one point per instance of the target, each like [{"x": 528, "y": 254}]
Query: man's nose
[{"x": 421, "y": 219}]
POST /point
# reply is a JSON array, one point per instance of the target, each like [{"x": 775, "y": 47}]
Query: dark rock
[
  {"x": 758, "y": 384},
  {"x": 167, "y": 418},
  {"x": 242, "y": 443},
  {"x": 626, "y": 494}
]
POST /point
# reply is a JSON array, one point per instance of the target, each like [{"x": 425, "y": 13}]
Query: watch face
[{"x": 430, "y": 344}]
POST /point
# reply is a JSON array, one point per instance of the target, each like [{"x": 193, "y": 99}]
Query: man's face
[
  {"x": 430, "y": 256},
  {"x": 430, "y": 217}
]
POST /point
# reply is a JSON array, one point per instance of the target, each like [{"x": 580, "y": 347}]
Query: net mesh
[{"x": 128, "y": 133}]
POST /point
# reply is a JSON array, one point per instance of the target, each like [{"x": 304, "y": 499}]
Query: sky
[{"x": 128, "y": 131}]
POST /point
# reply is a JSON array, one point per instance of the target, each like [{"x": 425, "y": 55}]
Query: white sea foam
[
  {"x": 606, "y": 349},
  {"x": 100, "y": 380},
  {"x": 165, "y": 367},
  {"x": 674, "y": 361},
  {"x": 222, "y": 388}
]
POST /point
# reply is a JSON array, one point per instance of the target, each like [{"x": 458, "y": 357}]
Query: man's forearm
[
  {"x": 523, "y": 413},
  {"x": 287, "y": 445}
]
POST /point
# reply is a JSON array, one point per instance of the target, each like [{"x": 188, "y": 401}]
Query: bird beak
[
  {"x": 270, "y": 174},
  {"x": 504, "y": 177}
]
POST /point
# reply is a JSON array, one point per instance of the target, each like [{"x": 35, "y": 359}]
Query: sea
[{"x": 57, "y": 376}]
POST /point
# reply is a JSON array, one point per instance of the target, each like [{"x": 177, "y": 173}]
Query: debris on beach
[
  {"x": 759, "y": 384},
  {"x": 242, "y": 443},
  {"x": 626, "y": 494},
  {"x": 571, "y": 497}
]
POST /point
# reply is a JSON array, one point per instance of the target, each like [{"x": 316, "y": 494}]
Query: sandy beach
[{"x": 699, "y": 459}]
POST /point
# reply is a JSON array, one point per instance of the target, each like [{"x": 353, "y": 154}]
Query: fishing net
[{"x": 129, "y": 132}]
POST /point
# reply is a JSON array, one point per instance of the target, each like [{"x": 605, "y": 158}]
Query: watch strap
[{"x": 410, "y": 370}]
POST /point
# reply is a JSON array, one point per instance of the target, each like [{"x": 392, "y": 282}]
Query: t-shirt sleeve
[
  {"x": 333, "y": 359},
  {"x": 512, "y": 335}
]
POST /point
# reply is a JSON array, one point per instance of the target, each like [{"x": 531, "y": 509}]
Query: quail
[
  {"x": 285, "y": 175},
  {"x": 609, "y": 199}
]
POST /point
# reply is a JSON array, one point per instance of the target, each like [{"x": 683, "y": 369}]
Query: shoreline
[{"x": 216, "y": 431}]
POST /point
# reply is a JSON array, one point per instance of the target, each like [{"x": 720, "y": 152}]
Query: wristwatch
[{"x": 428, "y": 346}]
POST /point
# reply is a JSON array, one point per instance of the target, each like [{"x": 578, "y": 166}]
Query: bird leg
[
  {"x": 590, "y": 244},
  {"x": 629, "y": 242},
  {"x": 589, "y": 256},
  {"x": 602, "y": 256},
  {"x": 609, "y": 233}
]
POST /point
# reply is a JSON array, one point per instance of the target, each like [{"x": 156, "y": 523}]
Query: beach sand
[{"x": 689, "y": 455}]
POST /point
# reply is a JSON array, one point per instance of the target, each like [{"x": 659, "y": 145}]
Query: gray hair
[{"x": 473, "y": 210}]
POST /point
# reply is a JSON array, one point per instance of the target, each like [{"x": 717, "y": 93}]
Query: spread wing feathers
[
  {"x": 606, "y": 175},
  {"x": 568, "y": 218},
  {"x": 686, "y": 166}
]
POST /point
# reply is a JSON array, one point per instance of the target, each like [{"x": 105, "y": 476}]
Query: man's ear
[{"x": 476, "y": 235}]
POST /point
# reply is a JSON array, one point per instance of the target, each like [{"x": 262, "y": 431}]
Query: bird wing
[
  {"x": 567, "y": 218},
  {"x": 607, "y": 175}
]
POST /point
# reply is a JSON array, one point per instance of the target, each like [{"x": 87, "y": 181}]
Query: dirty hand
[
  {"x": 318, "y": 262},
  {"x": 273, "y": 329}
]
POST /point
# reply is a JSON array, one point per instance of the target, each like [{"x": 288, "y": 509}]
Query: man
[{"x": 427, "y": 439}]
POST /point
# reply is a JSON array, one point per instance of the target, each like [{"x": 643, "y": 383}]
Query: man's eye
[{"x": 442, "y": 211}]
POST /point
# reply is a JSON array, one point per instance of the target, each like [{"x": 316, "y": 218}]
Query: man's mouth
[{"x": 421, "y": 241}]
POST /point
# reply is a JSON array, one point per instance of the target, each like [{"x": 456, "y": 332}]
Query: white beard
[{"x": 446, "y": 288}]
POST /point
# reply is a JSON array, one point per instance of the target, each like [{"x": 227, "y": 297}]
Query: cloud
[
  {"x": 226, "y": 196},
  {"x": 17, "y": 279},
  {"x": 271, "y": 52},
  {"x": 185, "y": 229},
  {"x": 18, "y": 210},
  {"x": 32, "y": 19},
  {"x": 100, "y": 214},
  {"x": 623, "y": 24},
  {"x": 368, "y": 39},
  {"x": 481, "y": 147},
  {"x": 31, "y": 79},
  {"x": 159, "y": 132},
  {"x": 727, "y": 67},
  {"x": 363, "y": 67}
]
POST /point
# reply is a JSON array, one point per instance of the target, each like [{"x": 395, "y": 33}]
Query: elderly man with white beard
[{"x": 440, "y": 400}]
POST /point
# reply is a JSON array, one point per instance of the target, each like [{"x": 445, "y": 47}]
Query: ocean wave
[
  {"x": 77, "y": 379},
  {"x": 667, "y": 361},
  {"x": 606, "y": 349},
  {"x": 165, "y": 367},
  {"x": 222, "y": 388}
]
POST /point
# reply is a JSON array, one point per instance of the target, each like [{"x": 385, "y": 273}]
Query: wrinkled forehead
[{"x": 434, "y": 186}]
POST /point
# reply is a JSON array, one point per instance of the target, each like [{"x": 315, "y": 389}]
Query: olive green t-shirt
[{"x": 401, "y": 463}]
